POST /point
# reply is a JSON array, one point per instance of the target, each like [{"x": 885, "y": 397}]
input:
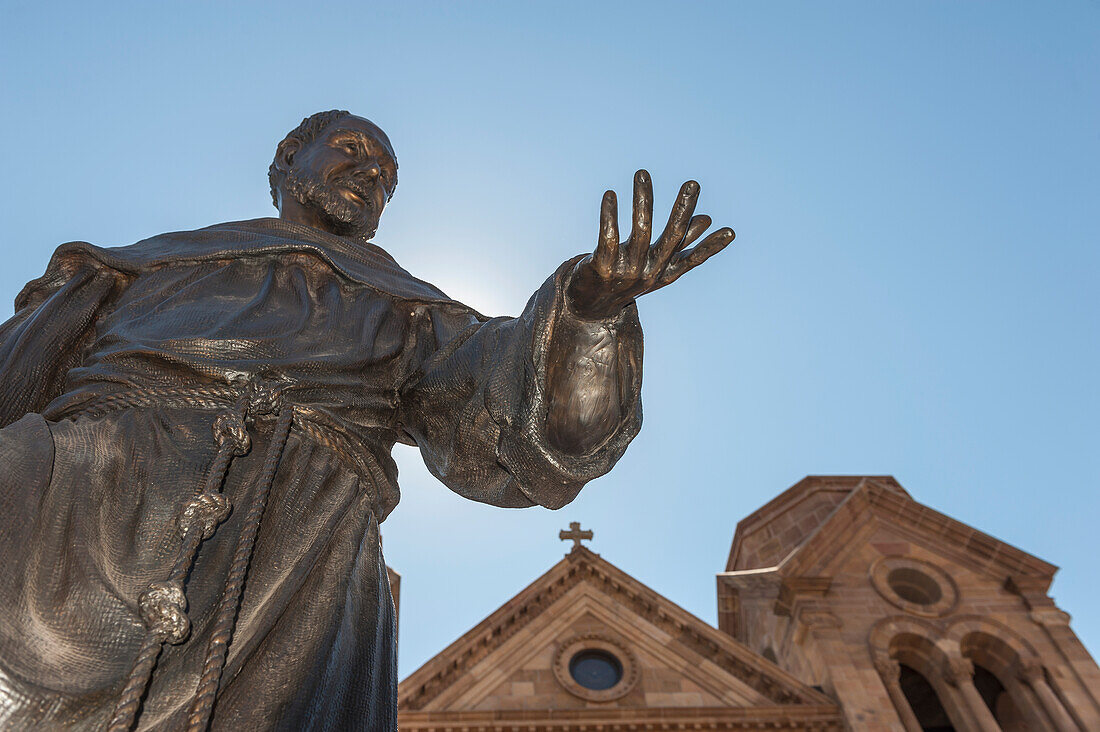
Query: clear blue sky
[{"x": 913, "y": 289}]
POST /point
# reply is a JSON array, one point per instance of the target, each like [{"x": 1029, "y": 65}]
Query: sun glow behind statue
[{"x": 912, "y": 290}]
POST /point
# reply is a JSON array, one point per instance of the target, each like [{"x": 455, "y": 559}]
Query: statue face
[{"x": 342, "y": 180}]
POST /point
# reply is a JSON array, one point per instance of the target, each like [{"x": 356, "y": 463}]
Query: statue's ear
[{"x": 284, "y": 154}]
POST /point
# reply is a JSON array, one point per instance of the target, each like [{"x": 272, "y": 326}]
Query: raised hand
[{"x": 609, "y": 279}]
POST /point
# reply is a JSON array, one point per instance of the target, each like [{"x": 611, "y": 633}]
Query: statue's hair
[{"x": 308, "y": 131}]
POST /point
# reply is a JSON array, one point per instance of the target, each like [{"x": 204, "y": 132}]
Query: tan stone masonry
[{"x": 845, "y": 604}]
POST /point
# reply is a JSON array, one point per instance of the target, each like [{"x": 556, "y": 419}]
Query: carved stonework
[
  {"x": 944, "y": 593},
  {"x": 579, "y": 566},
  {"x": 597, "y": 642},
  {"x": 794, "y": 588},
  {"x": 818, "y": 620},
  {"x": 888, "y": 668},
  {"x": 958, "y": 670},
  {"x": 1030, "y": 671},
  {"x": 1050, "y": 617}
]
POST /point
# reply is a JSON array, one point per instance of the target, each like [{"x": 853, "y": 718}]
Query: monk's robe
[{"x": 366, "y": 355}]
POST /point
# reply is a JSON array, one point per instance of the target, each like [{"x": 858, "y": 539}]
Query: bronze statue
[{"x": 197, "y": 432}]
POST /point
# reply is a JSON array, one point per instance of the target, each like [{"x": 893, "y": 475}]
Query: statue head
[{"x": 336, "y": 172}]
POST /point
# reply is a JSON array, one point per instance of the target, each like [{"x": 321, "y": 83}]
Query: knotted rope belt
[{"x": 163, "y": 605}]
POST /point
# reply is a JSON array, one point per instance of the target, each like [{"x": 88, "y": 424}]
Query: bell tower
[{"x": 908, "y": 618}]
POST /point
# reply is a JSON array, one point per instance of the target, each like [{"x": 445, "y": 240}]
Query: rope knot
[
  {"x": 205, "y": 511},
  {"x": 163, "y": 608},
  {"x": 263, "y": 398},
  {"x": 230, "y": 429}
]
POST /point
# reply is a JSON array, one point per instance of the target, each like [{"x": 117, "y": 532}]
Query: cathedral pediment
[
  {"x": 586, "y": 643},
  {"x": 810, "y": 529},
  {"x": 842, "y": 583}
]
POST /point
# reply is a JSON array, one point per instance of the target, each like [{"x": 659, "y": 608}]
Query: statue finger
[
  {"x": 607, "y": 245},
  {"x": 690, "y": 259},
  {"x": 699, "y": 224},
  {"x": 678, "y": 221},
  {"x": 643, "y": 219}
]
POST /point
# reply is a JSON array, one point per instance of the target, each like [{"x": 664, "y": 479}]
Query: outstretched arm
[
  {"x": 516, "y": 411},
  {"x": 583, "y": 377}
]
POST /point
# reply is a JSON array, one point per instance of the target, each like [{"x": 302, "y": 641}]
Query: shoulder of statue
[{"x": 360, "y": 263}]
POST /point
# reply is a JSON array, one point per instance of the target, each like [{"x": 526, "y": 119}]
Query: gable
[
  {"x": 892, "y": 568},
  {"x": 531, "y": 671},
  {"x": 517, "y": 658},
  {"x": 871, "y": 508},
  {"x": 769, "y": 534}
]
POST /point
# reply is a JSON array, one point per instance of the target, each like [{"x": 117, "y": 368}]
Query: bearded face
[
  {"x": 339, "y": 181},
  {"x": 344, "y": 215}
]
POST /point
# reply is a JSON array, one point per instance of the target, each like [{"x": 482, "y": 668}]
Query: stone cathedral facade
[{"x": 845, "y": 605}]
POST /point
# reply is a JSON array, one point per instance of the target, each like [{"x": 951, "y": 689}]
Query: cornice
[
  {"x": 583, "y": 565},
  {"x": 823, "y": 718},
  {"x": 979, "y": 549},
  {"x": 788, "y": 499},
  {"x": 793, "y": 588}
]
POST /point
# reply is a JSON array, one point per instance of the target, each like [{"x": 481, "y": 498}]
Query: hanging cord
[
  {"x": 163, "y": 605},
  {"x": 202, "y": 705}
]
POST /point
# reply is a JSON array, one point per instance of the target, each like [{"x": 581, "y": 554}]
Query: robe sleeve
[
  {"x": 477, "y": 403},
  {"x": 49, "y": 333}
]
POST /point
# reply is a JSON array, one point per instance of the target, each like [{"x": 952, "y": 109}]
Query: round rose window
[
  {"x": 596, "y": 669},
  {"x": 914, "y": 585}
]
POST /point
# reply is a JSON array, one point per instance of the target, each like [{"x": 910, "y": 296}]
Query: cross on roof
[{"x": 575, "y": 534}]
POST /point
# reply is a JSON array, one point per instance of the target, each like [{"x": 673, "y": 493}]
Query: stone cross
[{"x": 575, "y": 534}]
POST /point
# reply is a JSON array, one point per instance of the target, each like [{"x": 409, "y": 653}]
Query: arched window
[
  {"x": 998, "y": 657},
  {"x": 924, "y": 701},
  {"x": 912, "y": 669},
  {"x": 999, "y": 701}
]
